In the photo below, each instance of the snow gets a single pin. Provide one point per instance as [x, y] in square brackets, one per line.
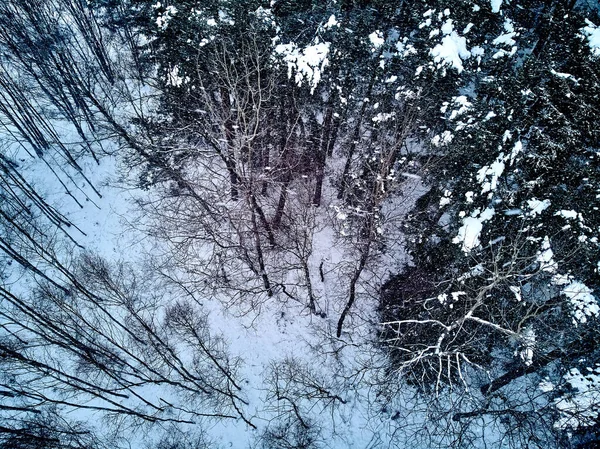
[226, 18]
[162, 21]
[173, 78]
[495, 4]
[446, 198]
[517, 149]
[545, 257]
[536, 206]
[566, 76]
[307, 63]
[477, 51]
[528, 343]
[464, 105]
[376, 39]
[568, 214]
[516, 291]
[332, 22]
[469, 232]
[477, 270]
[488, 175]
[457, 295]
[592, 33]
[506, 39]
[383, 117]
[546, 386]
[443, 139]
[442, 298]
[452, 50]
[582, 408]
[447, 27]
[583, 302]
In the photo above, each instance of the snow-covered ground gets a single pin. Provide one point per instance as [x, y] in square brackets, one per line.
[280, 332]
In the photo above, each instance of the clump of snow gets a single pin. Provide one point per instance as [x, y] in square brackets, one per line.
[265, 15]
[537, 207]
[443, 139]
[568, 214]
[507, 40]
[528, 345]
[488, 175]
[173, 78]
[452, 50]
[384, 117]
[463, 106]
[162, 21]
[405, 48]
[517, 149]
[580, 409]
[477, 270]
[442, 298]
[566, 76]
[583, 302]
[469, 232]
[444, 200]
[496, 4]
[546, 257]
[332, 22]
[592, 33]
[376, 39]
[457, 295]
[308, 63]
[226, 18]
[546, 386]
[516, 291]
[447, 27]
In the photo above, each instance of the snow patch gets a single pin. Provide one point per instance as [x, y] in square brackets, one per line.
[528, 345]
[308, 63]
[583, 302]
[444, 200]
[536, 206]
[453, 49]
[332, 22]
[545, 257]
[580, 409]
[495, 4]
[443, 139]
[592, 33]
[376, 39]
[469, 232]
[488, 175]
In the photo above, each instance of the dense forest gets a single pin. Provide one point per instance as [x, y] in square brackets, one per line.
[299, 224]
